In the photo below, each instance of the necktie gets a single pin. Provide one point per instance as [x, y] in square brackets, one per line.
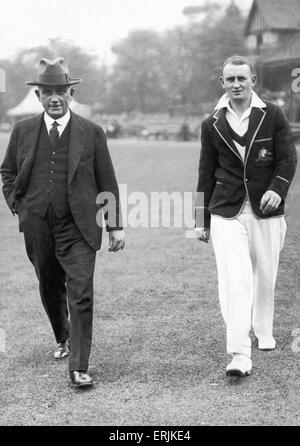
[54, 135]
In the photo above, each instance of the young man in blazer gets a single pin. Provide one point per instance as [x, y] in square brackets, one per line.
[247, 163]
[55, 166]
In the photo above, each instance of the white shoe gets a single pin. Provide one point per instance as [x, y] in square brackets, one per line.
[241, 365]
[266, 345]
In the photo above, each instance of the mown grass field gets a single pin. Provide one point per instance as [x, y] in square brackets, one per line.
[158, 353]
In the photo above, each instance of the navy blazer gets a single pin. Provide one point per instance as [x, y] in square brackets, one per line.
[90, 171]
[225, 179]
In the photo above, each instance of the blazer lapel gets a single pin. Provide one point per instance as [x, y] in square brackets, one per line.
[222, 128]
[76, 144]
[256, 118]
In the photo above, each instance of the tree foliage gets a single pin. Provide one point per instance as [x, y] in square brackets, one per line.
[177, 70]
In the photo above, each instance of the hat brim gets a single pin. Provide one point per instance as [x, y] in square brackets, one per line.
[41, 84]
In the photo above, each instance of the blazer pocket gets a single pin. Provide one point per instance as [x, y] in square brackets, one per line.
[264, 155]
[263, 140]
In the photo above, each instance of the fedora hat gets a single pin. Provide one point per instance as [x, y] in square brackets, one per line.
[53, 72]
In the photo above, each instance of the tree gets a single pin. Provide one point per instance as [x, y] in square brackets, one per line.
[137, 81]
[210, 43]
[176, 70]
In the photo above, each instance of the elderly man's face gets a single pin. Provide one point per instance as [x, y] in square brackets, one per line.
[238, 82]
[55, 100]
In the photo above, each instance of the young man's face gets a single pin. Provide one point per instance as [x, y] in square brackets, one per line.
[238, 82]
[55, 100]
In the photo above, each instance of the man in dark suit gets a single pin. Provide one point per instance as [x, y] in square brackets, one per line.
[247, 163]
[55, 166]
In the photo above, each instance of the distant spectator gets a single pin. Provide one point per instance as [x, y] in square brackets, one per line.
[185, 132]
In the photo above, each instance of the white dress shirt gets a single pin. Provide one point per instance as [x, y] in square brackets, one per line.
[239, 124]
[62, 122]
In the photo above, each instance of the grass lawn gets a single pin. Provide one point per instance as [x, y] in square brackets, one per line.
[158, 354]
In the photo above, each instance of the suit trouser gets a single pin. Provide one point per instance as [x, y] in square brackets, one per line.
[64, 264]
[247, 254]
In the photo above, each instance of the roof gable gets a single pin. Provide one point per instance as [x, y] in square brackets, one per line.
[273, 15]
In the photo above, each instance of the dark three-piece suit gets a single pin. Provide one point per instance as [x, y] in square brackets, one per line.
[54, 189]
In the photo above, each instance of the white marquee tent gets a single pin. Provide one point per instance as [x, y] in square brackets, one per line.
[30, 105]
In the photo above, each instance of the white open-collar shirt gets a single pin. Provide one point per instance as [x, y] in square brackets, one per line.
[239, 124]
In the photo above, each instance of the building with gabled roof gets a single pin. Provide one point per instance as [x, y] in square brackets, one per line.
[272, 22]
[273, 15]
[273, 28]
[273, 38]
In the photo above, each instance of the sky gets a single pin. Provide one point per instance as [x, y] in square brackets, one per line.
[93, 24]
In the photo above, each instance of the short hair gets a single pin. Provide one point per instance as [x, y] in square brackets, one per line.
[239, 60]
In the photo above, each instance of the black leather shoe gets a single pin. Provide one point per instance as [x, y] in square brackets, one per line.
[81, 379]
[62, 350]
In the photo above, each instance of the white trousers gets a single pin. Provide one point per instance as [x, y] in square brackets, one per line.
[247, 254]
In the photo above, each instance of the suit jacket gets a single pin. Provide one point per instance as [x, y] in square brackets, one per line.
[90, 171]
[225, 179]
